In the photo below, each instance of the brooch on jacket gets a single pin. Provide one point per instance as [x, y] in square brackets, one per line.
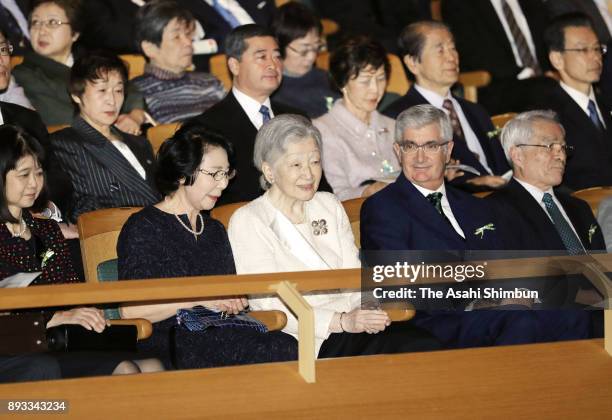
[319, 227]
[494, 133]
[481, 230]
[46, 256]
[592, 231]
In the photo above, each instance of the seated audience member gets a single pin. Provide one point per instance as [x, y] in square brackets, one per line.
[292, 227]
[55, 26]
[357, 139]
[576, 53]
[428, 50]
[171, 92]
[505, 38]
[304, 86]
[107, 167]
[419, 212]
[29, 244]
[254, 60]
[60, 188]
[175, 238]
[604, 217]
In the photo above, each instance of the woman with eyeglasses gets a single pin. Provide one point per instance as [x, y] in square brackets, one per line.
[304, 86]
[357, 139]
[107, 167]
[55, 26]
[177, 238]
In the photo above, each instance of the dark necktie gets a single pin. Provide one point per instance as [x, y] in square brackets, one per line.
[569, 238]
[593, 114]
[225, 14]
[265, 112]
[436, 200]
[457, 130]
[519, 39]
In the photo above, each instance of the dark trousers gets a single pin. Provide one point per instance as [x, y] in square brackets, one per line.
[399, 337]
[29, 367]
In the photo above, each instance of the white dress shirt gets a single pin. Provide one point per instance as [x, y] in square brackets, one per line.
[583, 100]
[446, 208]
[235, 9]
[521, 21]
[538, 195]
[130, 157]
[470, 137]
[252, 107]
[14, 94]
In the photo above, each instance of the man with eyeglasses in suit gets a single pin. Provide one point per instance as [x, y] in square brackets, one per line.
[577, 54]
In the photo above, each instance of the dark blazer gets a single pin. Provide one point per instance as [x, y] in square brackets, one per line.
[228, 118]
[532, 218]
[58, 182]
[399, 218]
[101, 176]
[481, 124]
[481, 39]
[591, 162]
[261, 11]
[109, 24]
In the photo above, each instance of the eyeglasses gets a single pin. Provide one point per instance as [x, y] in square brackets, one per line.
[6, 49]
[49, 24]
[220, 175]
[552, 147]
[431, 147]
[600, 49]
[303, 53]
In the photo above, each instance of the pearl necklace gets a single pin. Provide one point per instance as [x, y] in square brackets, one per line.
[193, 232]
[23, 227]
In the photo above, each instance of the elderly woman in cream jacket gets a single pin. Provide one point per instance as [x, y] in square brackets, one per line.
[292, 227]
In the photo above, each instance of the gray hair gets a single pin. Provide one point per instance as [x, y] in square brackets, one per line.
[419, 116]
[274, 137]
[520, 128]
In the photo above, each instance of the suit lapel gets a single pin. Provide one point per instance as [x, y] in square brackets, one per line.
[424, 213]
[110, 158]
[490, 19]
[576, 217]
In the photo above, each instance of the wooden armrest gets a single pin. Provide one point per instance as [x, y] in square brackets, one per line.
[143, 326]
[398, 315]
[274, 320]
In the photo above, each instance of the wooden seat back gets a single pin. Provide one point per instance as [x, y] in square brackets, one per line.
[135, 64]
[160, 133]
[353, 210]
[594, 196]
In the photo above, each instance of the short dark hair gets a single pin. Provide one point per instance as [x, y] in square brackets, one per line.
[16, 143]
[72, 8]
[293, 21]
[412, 39]
[153, 17]
[92, 67]
[180, 156]
[355, 54]
[554, 35]
[235, 42]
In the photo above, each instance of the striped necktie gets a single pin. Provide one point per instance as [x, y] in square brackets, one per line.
[265, 112]
[519, 39]
[457, 130]
[593, 114]
[225, 14]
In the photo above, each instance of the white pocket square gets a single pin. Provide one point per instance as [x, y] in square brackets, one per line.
[261, 5]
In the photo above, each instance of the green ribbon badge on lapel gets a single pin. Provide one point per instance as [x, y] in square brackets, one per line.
[46, 256]
[494, 133]
[481, 230]
[592, 231]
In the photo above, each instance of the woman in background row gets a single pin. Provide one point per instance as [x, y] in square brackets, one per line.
[177, 238]
[107, 167]
[357, 139]
[292, 227]
[55, 25]
[304, 86]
